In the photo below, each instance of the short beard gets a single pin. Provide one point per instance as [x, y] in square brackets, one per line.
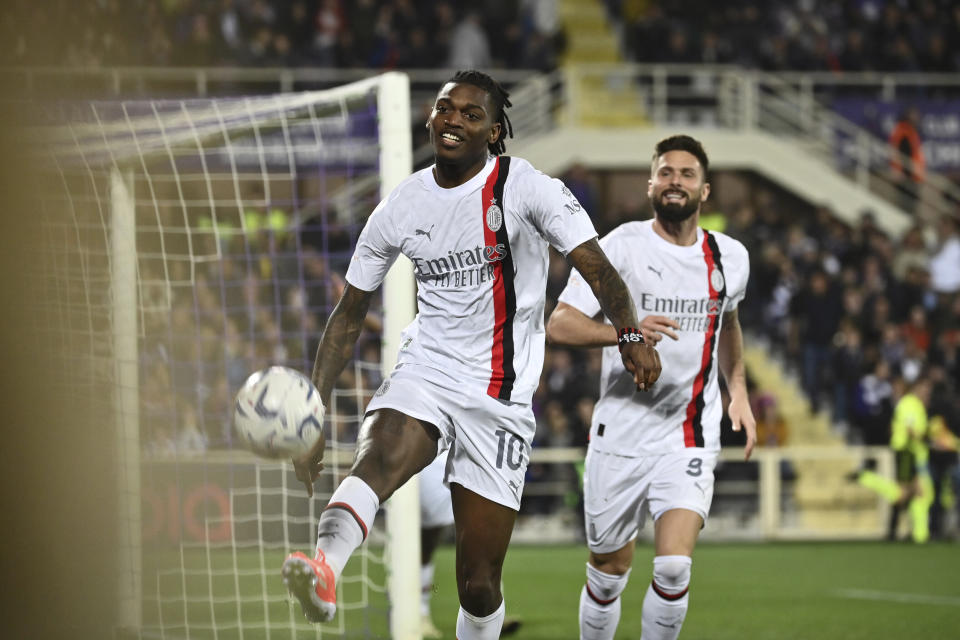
[671, 212]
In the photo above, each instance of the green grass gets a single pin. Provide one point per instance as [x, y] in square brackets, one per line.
[212, 595]
[787, 591]
[746, 591]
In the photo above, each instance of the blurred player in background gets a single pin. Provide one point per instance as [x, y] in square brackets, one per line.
[655, 452]
[477, 227]
[913, 486]
[436, 514]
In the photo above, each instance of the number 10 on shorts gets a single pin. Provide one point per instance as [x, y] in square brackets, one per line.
[511, 449]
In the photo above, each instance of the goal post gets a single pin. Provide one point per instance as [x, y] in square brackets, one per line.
[123, 282]
[204, 239]
[403, 508]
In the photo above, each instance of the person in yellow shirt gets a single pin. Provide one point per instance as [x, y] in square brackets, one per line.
[913, 486]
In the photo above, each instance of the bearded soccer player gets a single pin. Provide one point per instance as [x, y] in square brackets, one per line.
[477, 226]
[654, 453]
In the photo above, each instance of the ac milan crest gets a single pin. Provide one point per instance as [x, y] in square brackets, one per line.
[494, 217]
[716, 280]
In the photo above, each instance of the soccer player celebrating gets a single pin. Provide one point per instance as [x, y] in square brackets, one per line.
[655, 452]
[476, 226]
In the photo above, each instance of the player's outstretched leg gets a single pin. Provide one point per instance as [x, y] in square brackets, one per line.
[665, 605]
[391, 448]
[600, 604]
[343, 527]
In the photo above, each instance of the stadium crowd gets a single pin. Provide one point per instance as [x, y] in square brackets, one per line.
[807, 35]
[319, 33]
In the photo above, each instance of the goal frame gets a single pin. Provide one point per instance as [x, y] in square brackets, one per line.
[399, 291]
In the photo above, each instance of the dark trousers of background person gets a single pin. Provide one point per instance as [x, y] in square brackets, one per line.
[943, 469]
[816, 360]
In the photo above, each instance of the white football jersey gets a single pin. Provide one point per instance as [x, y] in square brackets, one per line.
[693, 285]
[480, 256]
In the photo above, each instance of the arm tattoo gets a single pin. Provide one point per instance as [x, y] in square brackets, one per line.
[339, 338]
[609, 288]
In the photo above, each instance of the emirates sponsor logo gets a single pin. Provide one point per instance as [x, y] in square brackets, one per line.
[692, 314]
[465, 268]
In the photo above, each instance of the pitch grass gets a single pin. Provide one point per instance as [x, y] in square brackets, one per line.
[815, 591]
[808, 591]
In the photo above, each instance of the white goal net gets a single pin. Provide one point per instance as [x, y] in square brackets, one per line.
[205, 239]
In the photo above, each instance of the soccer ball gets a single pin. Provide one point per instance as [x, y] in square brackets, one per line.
[278, 413]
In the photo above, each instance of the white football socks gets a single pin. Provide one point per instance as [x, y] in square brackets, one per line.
[345, 522]
[600, 604]
[470, 627]
[665, 604]
[426, 588]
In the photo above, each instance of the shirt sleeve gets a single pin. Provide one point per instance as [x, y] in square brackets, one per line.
[555, 211]
[377, 249]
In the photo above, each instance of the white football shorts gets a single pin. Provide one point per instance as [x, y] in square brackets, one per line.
[619, 491]
[488, 439]
[436, 507]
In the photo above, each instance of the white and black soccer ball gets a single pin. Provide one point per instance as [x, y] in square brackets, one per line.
[278, 413]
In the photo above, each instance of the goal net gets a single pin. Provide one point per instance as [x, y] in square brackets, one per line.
[194, 242]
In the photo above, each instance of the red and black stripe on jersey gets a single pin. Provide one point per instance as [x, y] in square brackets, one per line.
[692, 425]
[503, 374]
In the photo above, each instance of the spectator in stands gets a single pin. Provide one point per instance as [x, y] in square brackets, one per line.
[469, 45]
[945, 260]
[911, 252]
[873, 405]
[329, 23]
[907, 161]
[815, 314]
[771, 427]
[847, 366]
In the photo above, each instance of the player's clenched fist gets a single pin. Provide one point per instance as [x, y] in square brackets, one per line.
[639, 358]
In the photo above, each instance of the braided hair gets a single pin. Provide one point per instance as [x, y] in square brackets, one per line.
[500, 98]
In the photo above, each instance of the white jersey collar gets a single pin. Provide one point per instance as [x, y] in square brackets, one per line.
[477, 181]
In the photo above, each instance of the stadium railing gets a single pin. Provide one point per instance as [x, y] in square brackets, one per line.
[787, 105]
[765, 498]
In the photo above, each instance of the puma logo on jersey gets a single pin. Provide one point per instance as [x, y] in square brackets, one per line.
[421, 232]
[656, 271]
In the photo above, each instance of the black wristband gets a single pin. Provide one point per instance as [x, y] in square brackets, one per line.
[629, 334]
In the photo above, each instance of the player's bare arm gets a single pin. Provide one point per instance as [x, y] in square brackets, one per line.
[339, 338]
[730, 353]
[640, 359]
[568, 326]
[335, 350]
